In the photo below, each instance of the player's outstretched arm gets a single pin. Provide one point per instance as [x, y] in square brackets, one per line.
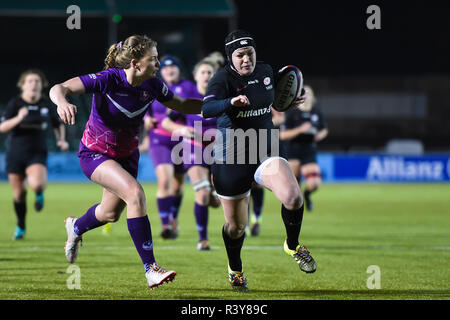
[184, 105]
[58, 93]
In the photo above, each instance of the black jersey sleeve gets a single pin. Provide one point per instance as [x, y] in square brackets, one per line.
[289, 120]
[10, 111]
[174, 115]
[322, 123]
[216, 100]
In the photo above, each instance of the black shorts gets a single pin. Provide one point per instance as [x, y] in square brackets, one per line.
[17, 162]
[233, 180]
[306, 153]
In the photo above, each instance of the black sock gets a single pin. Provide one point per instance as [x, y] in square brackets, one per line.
[233, 247]
[307, 193]
[293, 223]
[257, 195]
[21, 210]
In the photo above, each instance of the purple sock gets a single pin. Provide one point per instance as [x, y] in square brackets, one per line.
[175, 208]
[201, 219]
[141, 233]
[87, 222]
[164, 208]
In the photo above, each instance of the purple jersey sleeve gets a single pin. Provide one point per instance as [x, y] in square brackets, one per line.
[101, 81]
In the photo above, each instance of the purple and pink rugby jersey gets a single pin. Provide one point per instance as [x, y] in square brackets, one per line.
[118, 108]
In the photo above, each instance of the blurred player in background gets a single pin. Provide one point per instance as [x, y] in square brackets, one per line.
[194, 164]
[303, 128]
[108, 151]
[217, 59]
[27, 118]
[240, 96]
[170, 177]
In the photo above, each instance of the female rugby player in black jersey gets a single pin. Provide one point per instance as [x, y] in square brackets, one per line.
[27, 118]
[240, 96]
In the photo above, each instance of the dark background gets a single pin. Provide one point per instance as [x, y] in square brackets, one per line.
[328, 41]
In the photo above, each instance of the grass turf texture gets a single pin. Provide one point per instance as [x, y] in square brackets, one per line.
[403, 229]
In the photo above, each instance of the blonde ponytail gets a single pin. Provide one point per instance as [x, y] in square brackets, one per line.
[134, 47]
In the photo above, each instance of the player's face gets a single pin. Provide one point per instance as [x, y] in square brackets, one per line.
[170, 74]
[244, 60]
[203, 74]
[148, 65]
[32, 84]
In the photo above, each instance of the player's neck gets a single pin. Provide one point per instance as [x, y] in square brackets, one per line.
[133, 79]
[30, 97]
[201, 90]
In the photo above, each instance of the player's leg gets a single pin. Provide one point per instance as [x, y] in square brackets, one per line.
[199, 177]
[233, 183]
[233, 233]
[164, 196]
[276, 175]
[121, 183]
[17, 182]
[296, 168]
[257, 195]
[37, 180]
[313, 179]
[177, 184]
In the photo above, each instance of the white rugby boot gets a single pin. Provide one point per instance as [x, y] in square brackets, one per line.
[73, 240]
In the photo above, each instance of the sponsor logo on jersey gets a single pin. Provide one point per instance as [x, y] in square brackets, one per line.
[165, 90]
[253, 113]
[145, 95]
[44, 111]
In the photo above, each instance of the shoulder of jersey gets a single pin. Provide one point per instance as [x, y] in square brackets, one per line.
[264, 67]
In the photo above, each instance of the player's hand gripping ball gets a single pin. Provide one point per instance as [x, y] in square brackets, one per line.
[288, 87]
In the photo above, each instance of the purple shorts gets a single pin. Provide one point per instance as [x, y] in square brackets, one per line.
[90, 160]
[160, 151]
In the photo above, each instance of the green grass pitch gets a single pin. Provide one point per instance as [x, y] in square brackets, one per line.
[404, 229]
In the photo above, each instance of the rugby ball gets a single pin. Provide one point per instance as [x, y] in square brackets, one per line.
[288, 86]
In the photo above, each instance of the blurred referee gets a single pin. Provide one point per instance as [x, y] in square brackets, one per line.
[26, 118]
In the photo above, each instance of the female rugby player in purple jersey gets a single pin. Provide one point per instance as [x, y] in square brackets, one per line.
[245, 85]
[27, 118]
[170, 176]
[108, 149]
[195, 165]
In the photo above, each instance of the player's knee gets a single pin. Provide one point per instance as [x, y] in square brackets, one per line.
[202, 197]
[236, 230]
[20, 195]
[292, 198]
[164, 185]
[136, 196]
